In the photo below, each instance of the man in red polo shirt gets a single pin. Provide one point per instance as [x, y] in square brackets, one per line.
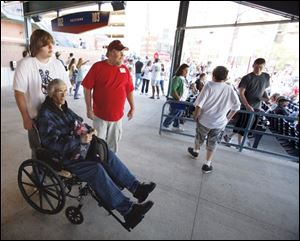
[107, 85]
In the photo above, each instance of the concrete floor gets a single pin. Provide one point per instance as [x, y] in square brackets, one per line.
[249, 195]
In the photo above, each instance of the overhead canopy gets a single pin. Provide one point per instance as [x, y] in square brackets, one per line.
[288, 9]
[31, 8]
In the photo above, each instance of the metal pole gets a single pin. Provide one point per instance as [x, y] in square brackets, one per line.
[179, 38]
[28, 31]
[240, 24]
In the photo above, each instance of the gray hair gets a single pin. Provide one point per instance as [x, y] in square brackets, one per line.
[52, 86]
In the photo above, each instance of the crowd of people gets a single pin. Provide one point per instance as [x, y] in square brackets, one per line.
[76, 72]
[148, 72]
[41, 96]
[252, 90]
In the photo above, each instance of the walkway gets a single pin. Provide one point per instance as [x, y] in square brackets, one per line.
[249, 195]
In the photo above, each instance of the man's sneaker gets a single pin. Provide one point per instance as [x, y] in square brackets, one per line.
[143, 190]
[167, 128]
[206, 168]
[178, 129]
[137, 214]
[248, 143]
[191, 151]
[227, 138]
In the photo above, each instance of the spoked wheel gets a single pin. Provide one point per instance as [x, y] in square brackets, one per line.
[74, 215]
[41, 187]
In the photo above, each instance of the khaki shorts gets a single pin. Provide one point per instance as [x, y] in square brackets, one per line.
[213, 136]
[110, 131]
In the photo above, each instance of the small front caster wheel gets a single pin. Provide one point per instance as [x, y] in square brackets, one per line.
[74, 215]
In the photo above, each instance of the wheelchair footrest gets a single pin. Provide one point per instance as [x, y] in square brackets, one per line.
[133, 223]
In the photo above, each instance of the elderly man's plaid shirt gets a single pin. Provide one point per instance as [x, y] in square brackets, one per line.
[56, 129]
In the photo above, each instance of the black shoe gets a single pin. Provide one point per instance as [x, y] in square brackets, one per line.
[191, 151]
[137, 214]
[206, 168]
[143, 190]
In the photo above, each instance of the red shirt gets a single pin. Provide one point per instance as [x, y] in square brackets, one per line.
[111, 85]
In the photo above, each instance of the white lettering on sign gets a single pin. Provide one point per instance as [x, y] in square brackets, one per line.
[96, 17]
[76, 20]
[60, 22]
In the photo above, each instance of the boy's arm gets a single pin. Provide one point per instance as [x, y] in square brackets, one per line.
[88, 102]
[196, 113]
[21, 103]
[231, 114]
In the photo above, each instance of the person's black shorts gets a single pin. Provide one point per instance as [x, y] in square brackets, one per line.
[242, 121]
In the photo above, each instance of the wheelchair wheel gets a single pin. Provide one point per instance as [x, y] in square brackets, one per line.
[74, 215]
[41, 187]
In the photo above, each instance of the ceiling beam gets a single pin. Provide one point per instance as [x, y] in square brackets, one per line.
[288, 9]
[31, 8]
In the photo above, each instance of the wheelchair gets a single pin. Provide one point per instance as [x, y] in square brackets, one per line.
[45, 185]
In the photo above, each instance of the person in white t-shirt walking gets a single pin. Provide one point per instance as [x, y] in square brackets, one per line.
[32, 77]
[211, 114]
[155, 78]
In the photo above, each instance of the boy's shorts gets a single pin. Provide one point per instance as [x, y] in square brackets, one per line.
[213, 136]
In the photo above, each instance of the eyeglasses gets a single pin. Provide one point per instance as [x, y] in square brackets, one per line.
[61, 92]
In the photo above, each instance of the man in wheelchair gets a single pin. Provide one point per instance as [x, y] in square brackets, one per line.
[62, 131]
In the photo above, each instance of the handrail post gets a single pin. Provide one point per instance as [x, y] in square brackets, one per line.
[162, 116]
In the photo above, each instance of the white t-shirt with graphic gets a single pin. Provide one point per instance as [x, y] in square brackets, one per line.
[156, 68]
[215, 100]
[32, 78]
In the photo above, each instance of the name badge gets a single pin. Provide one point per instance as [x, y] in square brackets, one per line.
[122, 70]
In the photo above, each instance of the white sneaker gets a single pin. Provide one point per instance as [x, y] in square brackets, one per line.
[167, 128]
[248, 143]
[179, 129]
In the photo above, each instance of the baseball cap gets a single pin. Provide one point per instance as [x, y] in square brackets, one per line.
[117, 45]
[282, 98]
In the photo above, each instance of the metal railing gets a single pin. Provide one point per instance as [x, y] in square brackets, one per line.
[183, 105]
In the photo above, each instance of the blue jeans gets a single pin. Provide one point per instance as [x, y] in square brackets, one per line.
[77, 86]
[175, 113]
[101, 182]
[162, 82]
[138, 79]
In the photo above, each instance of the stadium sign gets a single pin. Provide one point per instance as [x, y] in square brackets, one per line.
[80, 22]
